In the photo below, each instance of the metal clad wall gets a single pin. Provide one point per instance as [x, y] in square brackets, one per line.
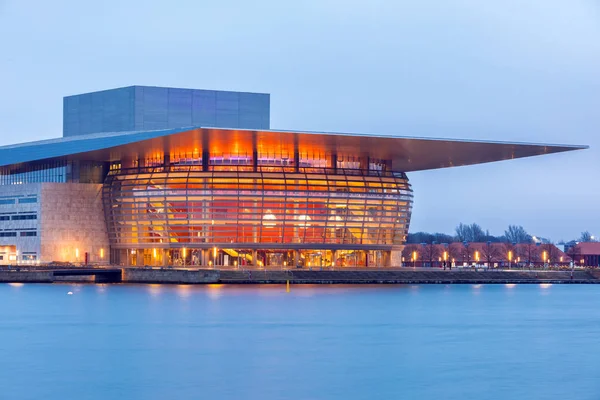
[151, 108]
[106, 111]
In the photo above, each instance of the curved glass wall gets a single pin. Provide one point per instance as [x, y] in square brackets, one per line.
[184, 207]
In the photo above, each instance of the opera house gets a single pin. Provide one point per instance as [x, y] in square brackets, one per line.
[149, 176]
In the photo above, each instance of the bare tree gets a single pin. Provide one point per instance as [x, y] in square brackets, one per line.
[511, 249]
[463, 232]
[455, 251]
[431, 252]
[552, 252]
[491, 253]
[466, 252]
[409, 251]
[575, 253]
[470, 233]
[586, 237]
[517, 234]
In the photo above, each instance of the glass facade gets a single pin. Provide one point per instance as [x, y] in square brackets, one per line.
[182, 212]
[55, 171]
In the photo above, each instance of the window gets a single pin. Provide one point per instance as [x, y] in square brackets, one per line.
[28, 200]
[7, 201]
[8, 234]
[4, 217]
[29, 257]
[28, 234]
[23, 216]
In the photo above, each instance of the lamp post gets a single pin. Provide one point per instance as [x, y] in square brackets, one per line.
[414, 257]
[544, 257]
[445, 258]
[509, 258]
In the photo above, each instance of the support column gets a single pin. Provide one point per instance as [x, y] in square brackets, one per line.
[296, 258]
[254, 260]
[205, 159]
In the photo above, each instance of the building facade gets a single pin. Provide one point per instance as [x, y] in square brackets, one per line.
[148, 176]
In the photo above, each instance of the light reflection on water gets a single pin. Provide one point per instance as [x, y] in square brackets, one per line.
[318, 341]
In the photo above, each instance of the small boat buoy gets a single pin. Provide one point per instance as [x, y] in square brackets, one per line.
[70, 293]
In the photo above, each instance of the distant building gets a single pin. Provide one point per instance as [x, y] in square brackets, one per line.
[185, 177]
[586, 253]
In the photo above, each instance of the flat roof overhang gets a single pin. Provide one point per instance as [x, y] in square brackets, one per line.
[405, 153]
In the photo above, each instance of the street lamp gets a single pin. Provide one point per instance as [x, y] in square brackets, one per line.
[414, 257]
[509, 258]
[544, 257]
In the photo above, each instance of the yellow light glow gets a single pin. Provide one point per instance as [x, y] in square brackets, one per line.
[184, 252]
[215, 252]
[477, 256]
[154, 251]
[544, 255]
[445, 255]
[509, 255]
[101, 253]
[76, 253]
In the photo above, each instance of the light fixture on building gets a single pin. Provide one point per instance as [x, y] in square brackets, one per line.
[303, 220]
[269, 219]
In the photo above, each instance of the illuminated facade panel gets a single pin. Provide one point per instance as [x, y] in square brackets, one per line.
[262, 209]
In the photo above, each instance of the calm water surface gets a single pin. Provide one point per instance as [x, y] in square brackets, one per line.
[317, 342]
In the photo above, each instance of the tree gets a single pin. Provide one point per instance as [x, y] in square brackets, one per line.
[574, 252]
[466, 253]
[586, 237]
[491, 253]
[512, 249]
[517, 234]
[431, 252]
[455, 251]
[407, 254]
[470, 233]
[552, 252]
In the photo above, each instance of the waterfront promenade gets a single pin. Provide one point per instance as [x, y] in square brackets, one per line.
[358, 276]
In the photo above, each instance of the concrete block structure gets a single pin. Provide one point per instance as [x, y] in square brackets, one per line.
[147, 176]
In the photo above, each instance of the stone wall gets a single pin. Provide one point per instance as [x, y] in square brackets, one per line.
[26, 276]
[72, 223]
[139, 275]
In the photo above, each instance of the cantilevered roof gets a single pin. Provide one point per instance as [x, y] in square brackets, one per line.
[406, 153]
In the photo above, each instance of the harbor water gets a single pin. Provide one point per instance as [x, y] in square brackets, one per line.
[315, 342]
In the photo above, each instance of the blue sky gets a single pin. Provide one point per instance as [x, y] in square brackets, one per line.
[526, 70]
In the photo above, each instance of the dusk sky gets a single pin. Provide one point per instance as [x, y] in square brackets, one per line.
[522, 70]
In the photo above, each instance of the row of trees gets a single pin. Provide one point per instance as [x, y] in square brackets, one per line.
[484, 253]
[475, 233]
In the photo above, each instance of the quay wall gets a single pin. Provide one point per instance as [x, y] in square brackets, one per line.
[140, 275]
[26, 276]
[208, 276]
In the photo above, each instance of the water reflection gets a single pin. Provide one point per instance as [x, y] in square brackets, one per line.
[155, 289]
